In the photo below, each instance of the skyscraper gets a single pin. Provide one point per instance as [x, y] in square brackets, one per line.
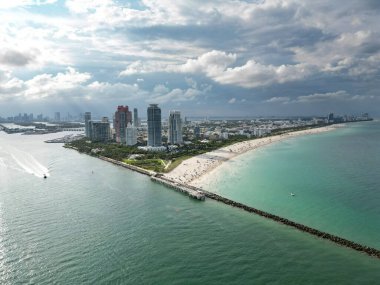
[87, 119]
[100, 131]
[197, 132]
[154, 125]
[135, 118]
[57, 116]
[175, 128]
[330, 118]
[122, 117]
[131, 135]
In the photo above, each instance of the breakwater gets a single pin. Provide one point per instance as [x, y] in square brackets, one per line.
[192, 193]
[338, 240]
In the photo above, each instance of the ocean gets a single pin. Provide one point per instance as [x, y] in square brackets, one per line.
[91, 222]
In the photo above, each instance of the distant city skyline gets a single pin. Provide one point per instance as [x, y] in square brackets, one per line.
[241, 58]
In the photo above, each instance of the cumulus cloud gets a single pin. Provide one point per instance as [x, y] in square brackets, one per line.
[215, 65]
[211, 63]
[16, 3]
[162, 94]
[46, 85]
[232, 101]
[140, 67]
[252, 74]
[17, 58]
[278, 100]
[42, 85]
[74, 85]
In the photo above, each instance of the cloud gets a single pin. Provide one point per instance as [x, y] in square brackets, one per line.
[17, 58]
[43, 85]
[46, 85]
[215, 65]
[16, 3]
[253, 74]
[278, 100]
[74, 85]
[211, 63]
[232, 101]
[321, 97]
[162, 94]
[140, 67]
[191, 82]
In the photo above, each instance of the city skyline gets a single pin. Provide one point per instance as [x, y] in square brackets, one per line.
[274, 57]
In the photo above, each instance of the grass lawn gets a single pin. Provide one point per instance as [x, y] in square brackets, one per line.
[176, 162]
[157, 165]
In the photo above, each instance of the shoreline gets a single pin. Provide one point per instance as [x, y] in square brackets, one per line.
[198, 169]
[200, 194]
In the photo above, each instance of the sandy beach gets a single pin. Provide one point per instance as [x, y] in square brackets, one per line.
[196, 170]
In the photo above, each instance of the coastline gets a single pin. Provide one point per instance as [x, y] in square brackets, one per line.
[190, 189]
[198, 169]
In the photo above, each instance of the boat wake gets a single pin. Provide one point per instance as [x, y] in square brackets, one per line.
[2, 163]
[29, 164]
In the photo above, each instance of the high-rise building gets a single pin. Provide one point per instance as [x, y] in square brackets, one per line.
[197, 132]
[330, 118]
[135, 118]
[87, 119]
[57, 116]
[100, 131]
[122, 117]
[131, 135]
[175, 128]
[154, 125]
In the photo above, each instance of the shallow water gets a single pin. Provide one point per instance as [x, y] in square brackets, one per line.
[333, 175]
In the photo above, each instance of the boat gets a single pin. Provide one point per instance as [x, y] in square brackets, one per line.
[45, 176]
[292, 194]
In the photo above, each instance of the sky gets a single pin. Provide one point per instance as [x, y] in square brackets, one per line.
[204, 58]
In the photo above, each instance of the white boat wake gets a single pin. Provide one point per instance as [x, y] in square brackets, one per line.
[2, 163]
[29, 164]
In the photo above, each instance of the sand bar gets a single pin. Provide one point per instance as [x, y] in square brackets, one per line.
[195, 170]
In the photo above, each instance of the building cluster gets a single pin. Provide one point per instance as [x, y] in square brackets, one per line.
[207, 130]
[128, 129]
[158, 134]
[57, 117]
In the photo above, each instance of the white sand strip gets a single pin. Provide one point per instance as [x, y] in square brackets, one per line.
[191, 170]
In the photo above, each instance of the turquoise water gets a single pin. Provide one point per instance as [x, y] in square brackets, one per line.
[91, 222]
[334, 176]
